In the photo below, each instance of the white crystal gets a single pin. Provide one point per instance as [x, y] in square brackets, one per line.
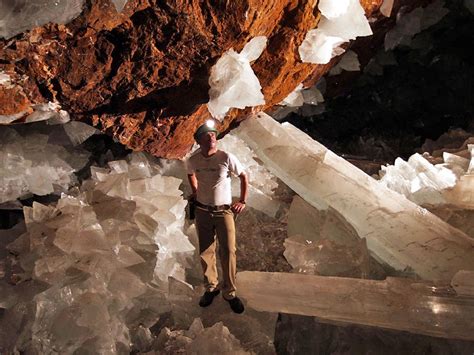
[232, 81]
[398, 232]
[318, 47]
[349, 25]
[332, 9]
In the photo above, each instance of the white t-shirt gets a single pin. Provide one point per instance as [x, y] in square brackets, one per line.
[213, 175]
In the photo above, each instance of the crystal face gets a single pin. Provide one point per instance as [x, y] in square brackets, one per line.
[17, 16]
[232, 81]
[398, 232]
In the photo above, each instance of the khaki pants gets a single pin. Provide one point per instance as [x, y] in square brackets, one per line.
[209, 224]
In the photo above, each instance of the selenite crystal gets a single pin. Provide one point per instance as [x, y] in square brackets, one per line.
[398, 232]
[17, 16]
[119, 4]
[395, 303]
[78, 132]
[341, 22]
[232, 81]
[104, 254]
[33, 165]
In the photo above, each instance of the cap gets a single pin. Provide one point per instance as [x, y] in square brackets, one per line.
[208, 126]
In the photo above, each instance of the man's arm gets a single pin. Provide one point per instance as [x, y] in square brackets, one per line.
[194, 184]
[244, 184]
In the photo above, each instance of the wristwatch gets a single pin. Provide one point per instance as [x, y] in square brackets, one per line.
[242, 202]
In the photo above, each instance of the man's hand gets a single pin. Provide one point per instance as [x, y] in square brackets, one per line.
[237, 207]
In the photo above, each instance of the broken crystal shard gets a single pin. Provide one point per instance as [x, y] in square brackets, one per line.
[398, 232]
[232, 81]
[17, 16]
[423, 308]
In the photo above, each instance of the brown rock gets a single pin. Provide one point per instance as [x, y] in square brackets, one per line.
[142, 75]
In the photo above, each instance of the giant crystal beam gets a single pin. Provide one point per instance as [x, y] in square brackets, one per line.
[395, 303]
[398, 232]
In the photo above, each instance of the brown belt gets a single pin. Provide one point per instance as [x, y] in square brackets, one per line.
[212, 208]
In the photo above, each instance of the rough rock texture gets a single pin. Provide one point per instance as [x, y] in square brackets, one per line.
[142, 74]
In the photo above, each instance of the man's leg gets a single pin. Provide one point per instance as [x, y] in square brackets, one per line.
[207, 248]
[225, 229]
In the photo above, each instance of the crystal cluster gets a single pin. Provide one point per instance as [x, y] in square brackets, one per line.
[104, 253]
[398, 232]
[341, 22]
[17, 16]
[199, 340]
[33, 165]
[232, 81]
[427, 184]
[409, 24]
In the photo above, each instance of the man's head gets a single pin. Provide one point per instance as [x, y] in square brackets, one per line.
[208, 126]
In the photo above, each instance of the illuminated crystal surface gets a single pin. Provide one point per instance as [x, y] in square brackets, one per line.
[341, 22]
[395, 303]
[398, 232]
[232, 81]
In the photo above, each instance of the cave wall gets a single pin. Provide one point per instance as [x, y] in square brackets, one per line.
[142, 75]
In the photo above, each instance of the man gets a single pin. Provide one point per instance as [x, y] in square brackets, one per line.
[209, 174]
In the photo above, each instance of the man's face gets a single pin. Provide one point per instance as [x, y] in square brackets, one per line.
[208, 140]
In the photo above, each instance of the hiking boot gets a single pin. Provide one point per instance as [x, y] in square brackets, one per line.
[208, 297]
[236, 305]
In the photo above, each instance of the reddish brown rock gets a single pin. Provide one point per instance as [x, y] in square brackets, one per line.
[142, 75]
